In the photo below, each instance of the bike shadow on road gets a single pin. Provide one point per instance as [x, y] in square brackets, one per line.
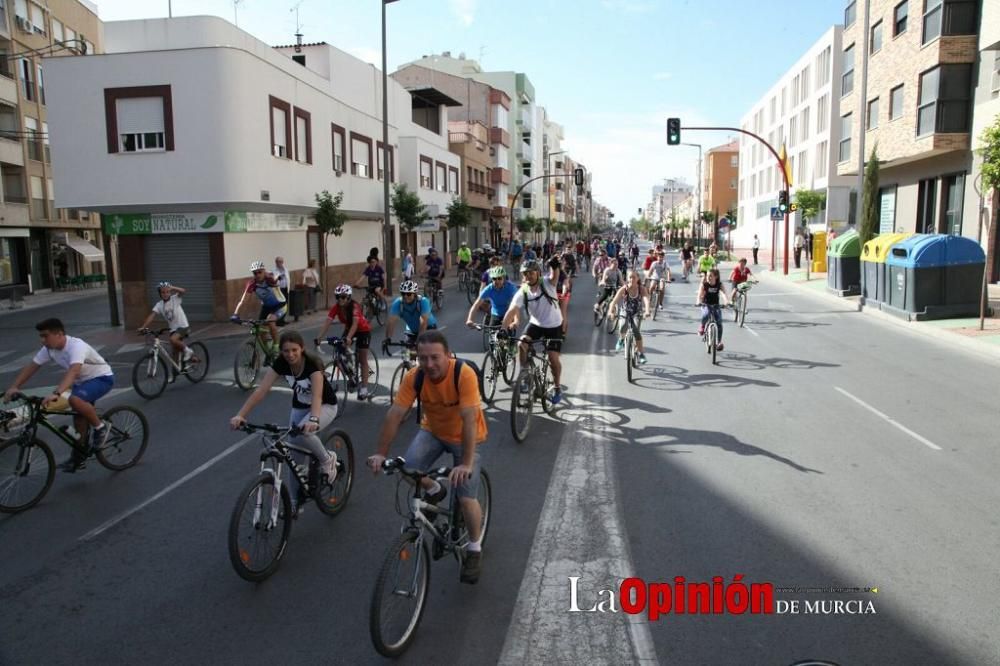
[676, 378]
[765, 325]
[745, 361]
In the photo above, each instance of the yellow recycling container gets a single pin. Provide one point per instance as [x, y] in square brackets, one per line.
[873, 271]
[819, 252]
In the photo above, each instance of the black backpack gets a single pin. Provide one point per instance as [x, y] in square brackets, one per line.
[418, 381]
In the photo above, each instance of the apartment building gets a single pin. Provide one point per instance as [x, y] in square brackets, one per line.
[667, 199]
[41, 246]
[917, 107]
[213, 146]
[720, 189]
[801, 111]
[471, 142]
[985, 113]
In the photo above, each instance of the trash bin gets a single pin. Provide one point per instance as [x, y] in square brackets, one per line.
[843, 275]
[873, 254]
[819, 252]
[296, 302]
[934, 276]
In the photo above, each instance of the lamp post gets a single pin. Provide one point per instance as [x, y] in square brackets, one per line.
[386, 224]
[697, 214]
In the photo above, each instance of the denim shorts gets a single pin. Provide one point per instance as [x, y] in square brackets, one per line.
[426, 448]
[94, 389]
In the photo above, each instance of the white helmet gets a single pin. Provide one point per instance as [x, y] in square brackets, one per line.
[343, 290]
[257, 266]
[409, 287]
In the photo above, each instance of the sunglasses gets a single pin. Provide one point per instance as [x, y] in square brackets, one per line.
[342, 297]
[257, 272]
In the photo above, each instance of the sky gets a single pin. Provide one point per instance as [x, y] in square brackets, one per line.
[609, 71]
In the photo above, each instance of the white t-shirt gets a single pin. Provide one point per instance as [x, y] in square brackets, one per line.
[75, 351]
[281, 275]
[756, 243]
[172, 311]
[542, 312]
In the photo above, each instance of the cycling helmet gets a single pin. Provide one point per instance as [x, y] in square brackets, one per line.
[464, 244]
[498, 272]
[343, 290]
[531, 265]
[409, 287]
[432, 250]
[257, 266]
[164, 285]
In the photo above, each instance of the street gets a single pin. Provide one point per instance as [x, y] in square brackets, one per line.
[826, 450]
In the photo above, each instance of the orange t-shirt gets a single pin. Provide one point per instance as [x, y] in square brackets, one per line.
[440, 404]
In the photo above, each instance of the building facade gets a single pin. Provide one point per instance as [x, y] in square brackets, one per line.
[471, 142]
[720, 188]
[986, 113]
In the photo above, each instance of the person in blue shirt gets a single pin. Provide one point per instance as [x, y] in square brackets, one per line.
[435, 268]
[375, 275]
[499, 293]
[529, 253]
[414, 310]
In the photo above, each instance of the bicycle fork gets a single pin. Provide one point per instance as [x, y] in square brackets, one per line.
[272, 510]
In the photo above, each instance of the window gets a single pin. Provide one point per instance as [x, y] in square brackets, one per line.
[734, 160]
[823, 68]
[441, 177]
[41, 86]
[899, 18]
[426, 173]
[804, 82]
[37, 18]
[793, 130]
[821, 159]
[37, 198]
[925, 206]
[845, 137]
[45, 142]
[361, 156]
[21, 9]
[303, 136]
[872, 114]
[774, 109]
[850, 14]
[140, 124]
[804, 124]
[953, 194]
[339, 136]
[933, 9]
[453, 180]
[732, 183]
[380, 167]
[803, 166]
[796, 88]
[995, 80]
[70, 40]
[896, 102]
[27, 84]
[945, 93]
[31, 134]
[847, 79]
[876, 38]
[281, 127]
[526, 169]
[57, 30]
[526, 200]
[822, 113]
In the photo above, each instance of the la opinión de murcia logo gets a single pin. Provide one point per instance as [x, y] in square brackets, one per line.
[720, 597]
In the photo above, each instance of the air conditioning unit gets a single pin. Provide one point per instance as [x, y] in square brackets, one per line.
[23, 23]
[493, 151]
[85, 234]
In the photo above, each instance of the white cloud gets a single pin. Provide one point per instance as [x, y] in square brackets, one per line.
[662, 76]
[464, 11]
[368, 54]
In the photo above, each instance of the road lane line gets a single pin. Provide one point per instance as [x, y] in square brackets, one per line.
[581, 532]
[890, 420]
[173, 486]
[752, 332]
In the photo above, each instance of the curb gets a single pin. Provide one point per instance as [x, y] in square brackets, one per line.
[916, 328]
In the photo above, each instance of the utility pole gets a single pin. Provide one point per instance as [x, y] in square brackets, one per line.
[387, 234]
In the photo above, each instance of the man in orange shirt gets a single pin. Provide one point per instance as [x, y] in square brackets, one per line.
[443, 429]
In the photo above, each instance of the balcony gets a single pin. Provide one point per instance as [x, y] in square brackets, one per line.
[499, 175]
[499, 97]
[524, 149]
[500, 135]
[524, 118]
[10, 150]
[499, 211]
[8, 87]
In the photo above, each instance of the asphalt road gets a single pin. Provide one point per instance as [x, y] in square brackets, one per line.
[805, 459]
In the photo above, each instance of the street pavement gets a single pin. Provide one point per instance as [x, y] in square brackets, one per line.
[827, 453]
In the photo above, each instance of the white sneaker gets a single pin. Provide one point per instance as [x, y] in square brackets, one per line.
[188, 353]
[330, 467]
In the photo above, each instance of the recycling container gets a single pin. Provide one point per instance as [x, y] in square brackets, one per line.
[843, 274]
[873, 273]
[934, 276]
[296, 302]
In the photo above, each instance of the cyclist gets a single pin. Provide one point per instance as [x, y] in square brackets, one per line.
[569, 261]
[516, 251]
[530, 254]
[314, 403]
[658, 275]
[88, 378]
[622, 261]
[499, 293]
[464, 256]
[452, 422]
[563, 281]
[434, 270]
[482, 263]
[706, 262]
[633, 251]
[375, 275]
[582, 256]
[413, 309]
[273, 307]
[169, 307]
[687, 258]
[540, 301]
[484, 278]
[739, 278]
[633, 298]
[356, 328]
[650, 258]
[610, 280]
[600, 264]
[711, 298]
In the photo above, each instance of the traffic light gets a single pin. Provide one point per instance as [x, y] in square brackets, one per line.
[783, 201]
[673, 131]
[578, 177]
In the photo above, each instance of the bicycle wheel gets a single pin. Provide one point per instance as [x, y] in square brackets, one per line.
[197, 365]
[397, 379]
[246, 365]
[338, 380]
[654, 304]
[743, 310]
[380, 309]
[332, 497]
[372, 373]
[485, 497]
[736, 307]
[491, 375]
[548, 386]
[127, 440]
[257, 533]
[27, 469]
[509, 359]
[600, 313]
[486, 332]
[610, 324]
[400, 594]
[712, 346]
[149, 376]
[629, 353]
[438, 300]
[520, 407]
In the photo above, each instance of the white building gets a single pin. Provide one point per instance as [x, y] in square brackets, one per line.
[205, 149]
[801, 110]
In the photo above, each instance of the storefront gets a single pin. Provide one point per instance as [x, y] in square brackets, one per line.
[13, 256]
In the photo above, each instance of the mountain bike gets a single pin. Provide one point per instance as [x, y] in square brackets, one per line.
[151, 373]
[373, 306]
[500, 360]
[472, 289]
[535, 382]
[344, 371]
[602, 308]
[657, 290]
[631, 327]
[434, 293]
[429, 532]
[740, 297]
[711, 335]
[261, 520]
[27, 466]
[467, 282]
[253, 353]
[408, 363]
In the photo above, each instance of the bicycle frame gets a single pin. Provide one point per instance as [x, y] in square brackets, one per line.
[279, 450]
[343, 360]
[39, 417]
[158, 351]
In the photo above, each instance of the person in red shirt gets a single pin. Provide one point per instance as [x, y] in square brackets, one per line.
[741, 273]
[348, 312]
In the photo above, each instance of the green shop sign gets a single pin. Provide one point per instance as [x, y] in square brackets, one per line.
[239, 221]
[132, 224]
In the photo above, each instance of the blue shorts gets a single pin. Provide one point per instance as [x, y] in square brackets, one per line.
[94, 389]
[279, 310]
[426, 448]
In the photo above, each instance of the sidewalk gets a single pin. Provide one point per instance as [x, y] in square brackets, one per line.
[47, 299]
[962, 332]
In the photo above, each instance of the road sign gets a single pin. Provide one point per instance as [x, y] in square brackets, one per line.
[776, 214]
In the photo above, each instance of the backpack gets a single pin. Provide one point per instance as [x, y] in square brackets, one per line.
[418, 381]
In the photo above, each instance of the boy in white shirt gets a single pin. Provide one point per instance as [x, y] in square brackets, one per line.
[169, 307]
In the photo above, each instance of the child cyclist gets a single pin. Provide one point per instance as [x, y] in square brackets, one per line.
[169, 307]
[739, 277]
[272, 302]
[356, 328]
[711, 298]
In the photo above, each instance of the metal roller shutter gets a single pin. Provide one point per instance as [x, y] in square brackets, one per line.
[314, 242]
[184, 260]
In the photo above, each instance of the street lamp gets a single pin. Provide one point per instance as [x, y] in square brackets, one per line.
[698, 212]
[386, 224]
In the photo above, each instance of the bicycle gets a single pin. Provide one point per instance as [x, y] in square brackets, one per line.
[434, 293]
[252, 354]
[344, 371]
[472, 289]
[374, 307]
[265, 505]
[151, 373]
[631, 328]
[535, 382]
[468, 284]
[740, 297]
[430, 532]
[711, 335]
[500, 360]
[657, 289]
[27, 466]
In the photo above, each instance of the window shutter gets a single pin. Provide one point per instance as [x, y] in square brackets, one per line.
[278, 119]
[36, 188]
[137, 115]
[37, 17]
[301, 150]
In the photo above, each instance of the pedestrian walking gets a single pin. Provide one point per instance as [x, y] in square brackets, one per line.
[798, 250]
[310, 278]
[807, 238]
[407, 266]
[756, 248]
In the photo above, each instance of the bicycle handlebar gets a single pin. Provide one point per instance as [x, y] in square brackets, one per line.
[150, 331]
[391, 466]
[272, 428]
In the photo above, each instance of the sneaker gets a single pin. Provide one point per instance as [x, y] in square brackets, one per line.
[188, 353]
[471, 567]
[701, 330]
[436, 497]
[620, 345]
[720, 347]
[556, 397]
[330, 468]
[98, 437]
[76, 461]
[642, 359]
[363, 393]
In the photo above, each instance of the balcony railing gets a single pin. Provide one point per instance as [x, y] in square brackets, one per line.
[500, 135]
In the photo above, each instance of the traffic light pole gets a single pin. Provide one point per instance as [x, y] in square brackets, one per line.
[781, 168]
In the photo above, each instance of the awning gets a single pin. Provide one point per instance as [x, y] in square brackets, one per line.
[86, 250]
[14, 232]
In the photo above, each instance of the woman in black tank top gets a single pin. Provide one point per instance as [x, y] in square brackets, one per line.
[633, 298]
[711, 296]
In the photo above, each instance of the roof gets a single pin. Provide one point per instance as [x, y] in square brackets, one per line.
[292, 46]
[731, 147]
[432, 96]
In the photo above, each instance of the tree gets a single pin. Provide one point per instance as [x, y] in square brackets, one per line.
[541, 224]
[408, 208]
[990, 152]
[810, 203]
[526, 224]
[869, 200]
[330, 220]
[459, 214]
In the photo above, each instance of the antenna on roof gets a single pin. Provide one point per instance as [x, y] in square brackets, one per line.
[298, 26]
[482, 54]
[236, 17]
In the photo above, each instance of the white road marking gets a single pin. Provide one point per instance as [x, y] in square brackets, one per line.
[131, 347]
[173, 486]
[581, 503]
[751, 331]
[890, 420]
